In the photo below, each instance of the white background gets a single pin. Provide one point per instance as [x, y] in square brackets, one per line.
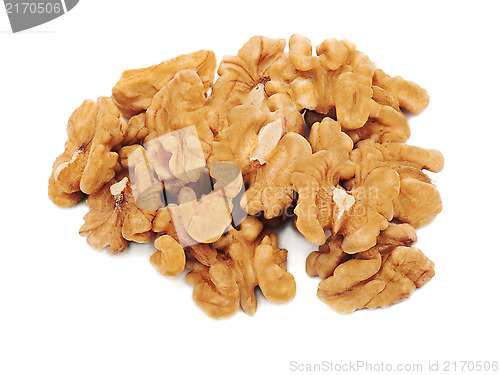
[68, 309]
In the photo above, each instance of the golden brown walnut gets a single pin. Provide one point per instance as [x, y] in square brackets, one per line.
[215, 289]
[340, 77]
[114, 218]
[325, 260]
[418, 201]
[88, 162]
[323, 203]
[170, 259]
[242, 78]
[408, 94]
[371, 211]
[370, 280]
[254, 259]
[270, 188]
[274, 281]
[386, 122]
[136, 88]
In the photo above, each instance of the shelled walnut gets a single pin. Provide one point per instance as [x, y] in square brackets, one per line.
[181, 161]
[247, 258]
[94, 130]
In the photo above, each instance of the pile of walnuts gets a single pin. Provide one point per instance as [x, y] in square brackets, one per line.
[175, 158]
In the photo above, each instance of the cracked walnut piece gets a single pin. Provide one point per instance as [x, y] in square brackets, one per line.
[88, 161]
[339, 76]
[170, 258]
[316, 181]
[136, 88]
[418, 201]
[247, 258]
[114, 219]
[371, 280]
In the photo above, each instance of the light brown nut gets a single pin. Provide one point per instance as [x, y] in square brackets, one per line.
[311, 81]
[328, 135]
[372, 210]
[88, 162]
[215, 290]
[170, 259]
[178, 105]
[419, 201]
[254, 259]
[323, 203]
[114, 218]
[301, 53]
[238, 249]
[325, 260]
[409, 95]
[242, 78]
[342, 291]
[367, 280]
[271, 189]
[406, 269]
[136, 88]
[276, 283]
